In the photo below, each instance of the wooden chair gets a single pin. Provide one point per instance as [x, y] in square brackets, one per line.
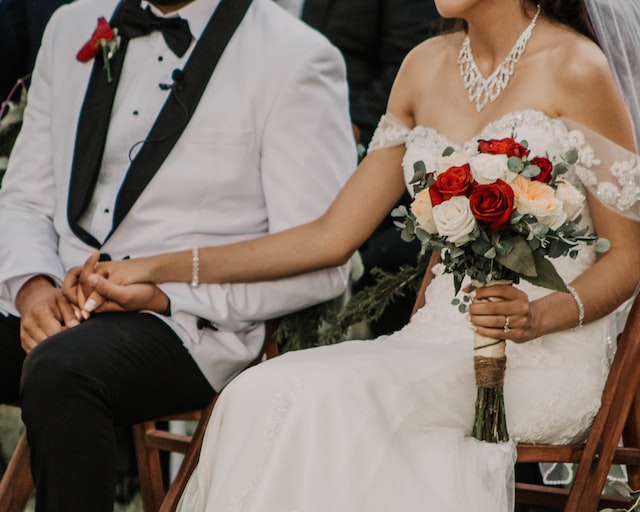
[149, 440]
[619, 416]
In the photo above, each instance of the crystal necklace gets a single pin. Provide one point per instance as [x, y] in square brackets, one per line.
[480, 90]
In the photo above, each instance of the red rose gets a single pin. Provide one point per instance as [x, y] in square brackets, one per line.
[506, 146]
[455, 181]
[546, 169]
[90, 49]
[492, 204]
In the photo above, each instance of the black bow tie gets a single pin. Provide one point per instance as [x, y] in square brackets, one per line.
[136, 22]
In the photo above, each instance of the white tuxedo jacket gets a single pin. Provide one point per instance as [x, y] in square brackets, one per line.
[268, 147]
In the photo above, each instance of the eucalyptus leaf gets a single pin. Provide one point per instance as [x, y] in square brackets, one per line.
[560, 168]
[407, 236]
[400, 211]
[456, 252]
[420, 171]
[540, 230]
[516, 217]
[491, 253]
[602, 245]
[422, 235]
[557, 248]
[504, 247]
[448, 151]
[531, 171]
[515, 164]
[571, 156]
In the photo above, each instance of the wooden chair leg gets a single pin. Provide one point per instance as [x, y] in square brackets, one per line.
[631, 437]
[149, 468]
[16, 484]
[189, 463]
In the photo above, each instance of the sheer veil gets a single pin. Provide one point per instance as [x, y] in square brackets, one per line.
[617, 25]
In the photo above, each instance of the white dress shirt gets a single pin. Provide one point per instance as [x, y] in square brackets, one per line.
[293, 6]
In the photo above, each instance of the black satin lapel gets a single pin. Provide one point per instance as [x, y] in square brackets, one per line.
[314, 13]
[174, 117]
[91, 134]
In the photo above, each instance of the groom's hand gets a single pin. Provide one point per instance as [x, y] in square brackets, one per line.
[44, 311]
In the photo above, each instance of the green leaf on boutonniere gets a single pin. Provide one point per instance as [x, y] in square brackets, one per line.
[519, 259]
[547, 275]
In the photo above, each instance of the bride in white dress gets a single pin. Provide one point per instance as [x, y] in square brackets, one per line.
[381, 425]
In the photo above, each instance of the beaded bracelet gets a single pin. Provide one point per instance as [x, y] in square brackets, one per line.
[580, 305]
[195, 268]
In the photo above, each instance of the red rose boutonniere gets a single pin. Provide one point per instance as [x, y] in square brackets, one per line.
[104, 39]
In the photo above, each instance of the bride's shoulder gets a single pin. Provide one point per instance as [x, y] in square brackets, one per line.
[434, 52]
[586, 89]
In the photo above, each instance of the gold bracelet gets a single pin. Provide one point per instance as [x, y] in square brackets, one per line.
[195, 268]
[580, 305]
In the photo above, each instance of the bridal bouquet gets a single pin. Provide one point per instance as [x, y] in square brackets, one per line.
[497, 215]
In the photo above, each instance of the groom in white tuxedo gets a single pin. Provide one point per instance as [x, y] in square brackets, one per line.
[150, 150]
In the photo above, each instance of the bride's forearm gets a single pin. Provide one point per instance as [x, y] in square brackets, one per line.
[291, 252]
[325, 242]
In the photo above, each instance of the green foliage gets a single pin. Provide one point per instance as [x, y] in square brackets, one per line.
[10, 123]
[329, 322]
[624, 490]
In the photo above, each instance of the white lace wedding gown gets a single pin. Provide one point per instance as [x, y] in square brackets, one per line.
[383, 425]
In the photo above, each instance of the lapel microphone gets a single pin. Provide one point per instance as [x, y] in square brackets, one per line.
[178, 77]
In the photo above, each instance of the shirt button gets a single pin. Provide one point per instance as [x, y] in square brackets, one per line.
[160, 58]
[135, 112]
[106, 210]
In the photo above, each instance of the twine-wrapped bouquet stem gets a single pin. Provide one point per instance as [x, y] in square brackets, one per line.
[490, 363]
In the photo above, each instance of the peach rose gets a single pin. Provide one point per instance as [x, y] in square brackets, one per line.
[423, 210]
[538, 199]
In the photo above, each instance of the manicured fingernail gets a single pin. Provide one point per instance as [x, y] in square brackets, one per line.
[85, 314]
[78, 314]
[472, 294]
[90, 305]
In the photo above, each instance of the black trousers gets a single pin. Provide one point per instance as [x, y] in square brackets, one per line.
[76, 387]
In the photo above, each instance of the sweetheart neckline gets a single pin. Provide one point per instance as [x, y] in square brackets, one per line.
[485, 128]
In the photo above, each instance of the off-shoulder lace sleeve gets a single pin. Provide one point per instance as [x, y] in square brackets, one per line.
[390, 132]
[610, 172]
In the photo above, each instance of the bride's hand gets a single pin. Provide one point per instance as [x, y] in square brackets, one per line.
[123, 285]
[502, 312]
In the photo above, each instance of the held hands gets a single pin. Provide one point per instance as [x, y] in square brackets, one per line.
[44, 312]
[104, 286]
[507, 315]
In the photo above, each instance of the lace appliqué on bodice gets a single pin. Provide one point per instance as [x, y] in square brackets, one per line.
[609, 171]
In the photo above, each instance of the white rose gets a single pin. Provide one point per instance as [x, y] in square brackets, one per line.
[421, 207]
[538, 199]
[454, 219]
[487, 168]
[455, 159]
[572, 199]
